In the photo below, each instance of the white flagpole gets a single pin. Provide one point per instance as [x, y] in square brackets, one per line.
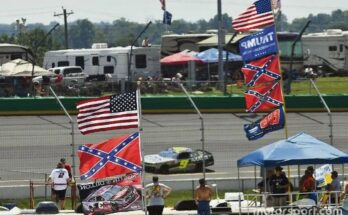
[141, 147]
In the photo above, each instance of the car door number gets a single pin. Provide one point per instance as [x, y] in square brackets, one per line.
[184, 163]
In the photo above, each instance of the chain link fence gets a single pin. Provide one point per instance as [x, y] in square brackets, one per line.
[31, 146]
[166, 86]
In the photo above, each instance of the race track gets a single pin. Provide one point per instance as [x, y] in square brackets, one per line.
[30, 146]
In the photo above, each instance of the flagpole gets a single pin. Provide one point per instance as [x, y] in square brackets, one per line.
[141, 147]
[165, 13]
[281, 91]
[281, 76]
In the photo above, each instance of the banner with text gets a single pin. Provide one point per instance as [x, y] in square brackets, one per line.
[323, 175]
[260, 44]
[122, 193]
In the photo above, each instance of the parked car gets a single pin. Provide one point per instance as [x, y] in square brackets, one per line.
[71, 74]
[178, 159]
[111, 198]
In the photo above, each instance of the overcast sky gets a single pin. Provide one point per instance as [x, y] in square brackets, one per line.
[144, 11]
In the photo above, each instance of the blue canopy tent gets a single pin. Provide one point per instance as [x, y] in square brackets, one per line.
[212, 56]
[299, 149]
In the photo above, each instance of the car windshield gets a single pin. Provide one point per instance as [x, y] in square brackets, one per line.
[111, 192]
[168, 154]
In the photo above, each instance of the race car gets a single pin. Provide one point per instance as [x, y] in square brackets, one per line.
[110, 198]
[178, 159]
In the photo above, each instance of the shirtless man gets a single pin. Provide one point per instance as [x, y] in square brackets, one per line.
[203, 195]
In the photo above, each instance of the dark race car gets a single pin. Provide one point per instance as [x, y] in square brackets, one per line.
[110, 198]
[178, 159]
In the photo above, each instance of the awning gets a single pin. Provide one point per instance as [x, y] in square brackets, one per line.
[213, 40]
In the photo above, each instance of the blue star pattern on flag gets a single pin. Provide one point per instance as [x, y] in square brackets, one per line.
[123, 102]
[112, 156]
[260, 71]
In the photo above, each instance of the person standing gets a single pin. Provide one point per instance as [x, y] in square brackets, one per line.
[59, 178]
[66, 166]
[145, 42]
[279, 184]
[156, 193]
[203, 195]
[335, 186]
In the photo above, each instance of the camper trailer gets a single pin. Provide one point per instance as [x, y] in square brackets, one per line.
[99, 61]
[326, 51]
[10, 52]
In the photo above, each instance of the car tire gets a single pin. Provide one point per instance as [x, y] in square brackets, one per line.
[199, 167]
[164, 169]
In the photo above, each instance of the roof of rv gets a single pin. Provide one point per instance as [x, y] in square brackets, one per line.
[328, 33]
[112, 49]
[5, 47]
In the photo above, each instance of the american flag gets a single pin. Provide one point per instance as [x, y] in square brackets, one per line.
[258, 15]
[108, 113]
[119, 155]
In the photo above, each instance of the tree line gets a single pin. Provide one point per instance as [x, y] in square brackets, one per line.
[121, 32]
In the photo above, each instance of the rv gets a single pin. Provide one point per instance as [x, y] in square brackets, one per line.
[326, 51]
[99, 61]
[10, 52]
[174, 43]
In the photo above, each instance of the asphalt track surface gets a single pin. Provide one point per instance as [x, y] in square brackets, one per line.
[30, 146]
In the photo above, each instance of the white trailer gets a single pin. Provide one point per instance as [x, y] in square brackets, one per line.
[10, 52]
[326, 51]
[114, 61]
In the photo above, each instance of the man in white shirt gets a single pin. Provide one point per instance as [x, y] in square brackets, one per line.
[156, 193]
[60, 179]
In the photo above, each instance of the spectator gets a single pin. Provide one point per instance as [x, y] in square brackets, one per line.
[145, 42]
[156, 193]
[308, 185]
[279, 184]
[203, 195]
[310, 171]
[261, 186]
[67, 167]
[335, 186]
[59, 178]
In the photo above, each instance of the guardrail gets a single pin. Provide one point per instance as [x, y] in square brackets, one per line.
[173, 104]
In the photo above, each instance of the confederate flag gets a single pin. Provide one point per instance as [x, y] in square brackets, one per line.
[119, 155]
[264, 97]
[262, 70]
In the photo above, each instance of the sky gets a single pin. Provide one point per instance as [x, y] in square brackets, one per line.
[143, 11]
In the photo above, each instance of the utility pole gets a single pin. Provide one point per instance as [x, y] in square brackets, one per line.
[65, 14]
[221, 38]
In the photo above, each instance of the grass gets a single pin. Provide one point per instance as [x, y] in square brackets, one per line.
[170, 201]
[326, 85]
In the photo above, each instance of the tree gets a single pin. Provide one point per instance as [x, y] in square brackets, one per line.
[226, 22]
[81, 34]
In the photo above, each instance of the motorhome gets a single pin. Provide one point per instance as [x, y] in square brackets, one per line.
[99, 61]
[326, 51]
[10, 52]
[174, 43]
